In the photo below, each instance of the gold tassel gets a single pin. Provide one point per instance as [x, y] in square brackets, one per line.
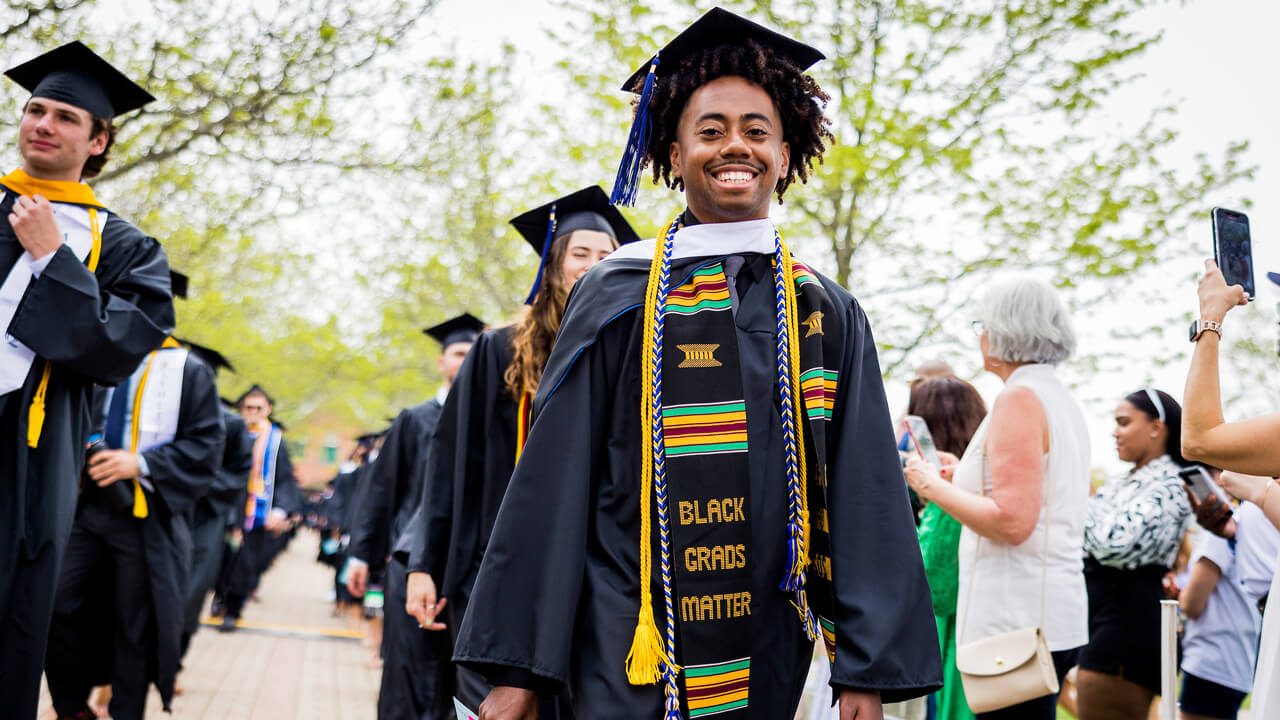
[644, 662]
[35, 417]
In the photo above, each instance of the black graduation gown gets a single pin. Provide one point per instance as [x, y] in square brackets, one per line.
[253, 557]
[414, 661]
[93, 327]
[181, 471]
[469, 462]
[212, 515]
[558, 594]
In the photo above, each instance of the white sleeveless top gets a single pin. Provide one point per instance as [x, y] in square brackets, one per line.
[1266, 683]
[1002, 590]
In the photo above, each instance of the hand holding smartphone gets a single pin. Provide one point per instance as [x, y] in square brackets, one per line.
[922, 439]
[1201, 485]
[1233, 249]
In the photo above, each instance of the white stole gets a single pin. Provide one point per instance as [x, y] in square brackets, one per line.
[157, 419]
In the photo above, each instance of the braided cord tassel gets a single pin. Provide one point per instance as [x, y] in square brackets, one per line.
[792, 435]
[647, 655]
[671, 670]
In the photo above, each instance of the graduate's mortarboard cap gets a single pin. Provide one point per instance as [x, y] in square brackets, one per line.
[1274, 277]
[717, 27]
[585, 209]
[255, 390]
[178, 283]
[461, 329]
[211, 357]
[78, 76]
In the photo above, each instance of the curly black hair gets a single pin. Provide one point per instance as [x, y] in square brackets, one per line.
[799, 99]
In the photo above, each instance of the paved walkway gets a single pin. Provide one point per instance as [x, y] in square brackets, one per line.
[292, 659]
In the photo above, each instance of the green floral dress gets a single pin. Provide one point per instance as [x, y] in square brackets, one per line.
[940, 544]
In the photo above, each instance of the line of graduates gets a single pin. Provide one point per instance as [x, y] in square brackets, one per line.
[120, 470]
[653, 493]
[555, 529]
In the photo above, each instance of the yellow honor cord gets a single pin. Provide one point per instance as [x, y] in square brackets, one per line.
[522, 422]
[793, 349]
[139, 498]
[644, 661]
[35, 415]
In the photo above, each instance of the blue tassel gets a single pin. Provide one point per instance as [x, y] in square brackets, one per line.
[794, 579]
[542, 262]
[627, 183]
[672, 707]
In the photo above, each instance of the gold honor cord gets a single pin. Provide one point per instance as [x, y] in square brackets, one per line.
[522, 422]
[35, 415]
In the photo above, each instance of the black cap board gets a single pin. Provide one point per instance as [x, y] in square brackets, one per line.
[1274, 277]
[574, 211]
[461, 329]
[78, 76]
[178, 283]
[585, 209]
[720, 27]
[211, 357]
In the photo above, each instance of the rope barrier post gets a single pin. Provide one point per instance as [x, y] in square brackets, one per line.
[1169, 659]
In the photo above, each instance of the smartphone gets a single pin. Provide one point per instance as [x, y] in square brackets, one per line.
[922, 439]
[1232, 248]
[1197, 479]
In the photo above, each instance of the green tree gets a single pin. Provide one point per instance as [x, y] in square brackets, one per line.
[968, 141]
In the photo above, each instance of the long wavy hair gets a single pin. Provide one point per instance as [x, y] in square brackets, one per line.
[536, 329]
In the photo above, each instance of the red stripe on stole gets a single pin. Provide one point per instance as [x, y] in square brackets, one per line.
[704, 429]
[711, 690]
[688, 291]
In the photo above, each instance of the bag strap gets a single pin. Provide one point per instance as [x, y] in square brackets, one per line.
[1044, 559]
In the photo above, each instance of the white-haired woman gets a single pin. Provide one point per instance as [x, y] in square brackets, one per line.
[1020, 489]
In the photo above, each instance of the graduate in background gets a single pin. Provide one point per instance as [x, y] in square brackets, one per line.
[117, 613]
[413, 661]
[271, 499]
[682, 559]
[485, 419]
[213, 516]
[84, 298]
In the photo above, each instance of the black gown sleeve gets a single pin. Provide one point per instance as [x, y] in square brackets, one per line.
[371, 526]
[448, 453]
[886, 636]
[286, 496]
[100, 325]
[183, 469]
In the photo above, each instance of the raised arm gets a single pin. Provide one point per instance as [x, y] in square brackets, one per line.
[1248, 446]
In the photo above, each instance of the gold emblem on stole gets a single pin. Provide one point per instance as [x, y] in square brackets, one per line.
[814, 324]
[699, 356]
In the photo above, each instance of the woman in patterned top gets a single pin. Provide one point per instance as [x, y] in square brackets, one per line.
[1134, 525]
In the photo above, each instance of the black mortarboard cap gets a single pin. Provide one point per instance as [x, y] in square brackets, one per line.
[255, 389]
[463, 328]
[178, 284]
[78, 76]
[1274, 277]
[585, 209]
[211, 357]
[717, 27]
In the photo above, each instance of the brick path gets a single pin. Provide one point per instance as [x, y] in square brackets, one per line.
[312, 673]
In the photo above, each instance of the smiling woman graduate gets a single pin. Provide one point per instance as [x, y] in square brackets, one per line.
[483, 425]
[710, 484]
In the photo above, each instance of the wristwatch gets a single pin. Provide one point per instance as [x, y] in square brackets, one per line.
[1200, 326]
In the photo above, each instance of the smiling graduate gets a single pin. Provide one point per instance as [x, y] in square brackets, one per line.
[708, 369]
[84, 298]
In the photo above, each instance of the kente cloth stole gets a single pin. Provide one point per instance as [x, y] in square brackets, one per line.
[262, 476]
[704, 431]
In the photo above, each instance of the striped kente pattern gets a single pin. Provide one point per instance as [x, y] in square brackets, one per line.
[705, 428]
[819, 389]
[828, 637]
[714, 689]
[803, 275]
[706, 289]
